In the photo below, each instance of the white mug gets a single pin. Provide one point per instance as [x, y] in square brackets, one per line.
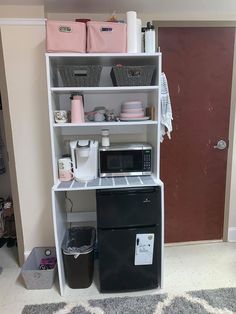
[60, 116]
[65, 169]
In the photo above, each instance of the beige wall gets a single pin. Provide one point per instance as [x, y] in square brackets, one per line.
[21, 11]
[232, 162]
[27, 97]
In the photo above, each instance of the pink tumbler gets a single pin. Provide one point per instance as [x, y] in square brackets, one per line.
[77, 109]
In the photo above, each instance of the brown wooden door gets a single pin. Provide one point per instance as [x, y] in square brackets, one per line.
[198, 65]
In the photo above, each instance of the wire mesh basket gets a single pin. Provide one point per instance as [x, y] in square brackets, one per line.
[132, 75]
[78, 76]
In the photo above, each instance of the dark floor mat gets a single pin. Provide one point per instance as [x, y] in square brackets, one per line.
[11, 242]
[3, 241]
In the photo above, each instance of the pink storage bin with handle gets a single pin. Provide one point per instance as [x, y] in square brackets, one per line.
[106, 37]
[66, 36]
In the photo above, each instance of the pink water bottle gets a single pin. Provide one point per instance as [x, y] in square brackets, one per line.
[77, 109]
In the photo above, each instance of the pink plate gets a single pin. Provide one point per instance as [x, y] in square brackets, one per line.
[132, 115]
[133, 110]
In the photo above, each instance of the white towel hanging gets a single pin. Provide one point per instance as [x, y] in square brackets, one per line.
[166, 111]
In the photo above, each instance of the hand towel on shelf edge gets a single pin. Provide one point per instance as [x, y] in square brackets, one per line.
[166, 110]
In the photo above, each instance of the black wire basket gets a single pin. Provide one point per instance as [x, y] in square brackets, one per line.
[132, 75]
[78, 76]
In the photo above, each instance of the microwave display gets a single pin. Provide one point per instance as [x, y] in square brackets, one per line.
[122, 161]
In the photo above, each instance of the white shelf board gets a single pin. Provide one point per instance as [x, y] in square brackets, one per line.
[104, 124]
[107, 183]
[87, 55]
[112, 89]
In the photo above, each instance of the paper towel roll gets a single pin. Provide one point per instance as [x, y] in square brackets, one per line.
[132, 45]
[139, 35]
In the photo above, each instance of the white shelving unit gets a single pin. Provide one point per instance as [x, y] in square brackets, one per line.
[136, 131]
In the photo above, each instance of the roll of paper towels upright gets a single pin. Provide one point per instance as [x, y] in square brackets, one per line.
[132, 37]
[139, 35]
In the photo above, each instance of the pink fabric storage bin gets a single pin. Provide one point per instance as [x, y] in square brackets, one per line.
[106, 37]
[66, 36]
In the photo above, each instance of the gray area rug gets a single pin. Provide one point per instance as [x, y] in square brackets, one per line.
[218, 301]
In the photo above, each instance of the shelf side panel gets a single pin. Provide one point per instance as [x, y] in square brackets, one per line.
[60, 225]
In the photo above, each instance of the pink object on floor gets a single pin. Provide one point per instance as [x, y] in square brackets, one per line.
[106, 37]
[65, 36]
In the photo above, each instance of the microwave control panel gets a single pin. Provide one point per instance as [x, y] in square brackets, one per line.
[147, 160]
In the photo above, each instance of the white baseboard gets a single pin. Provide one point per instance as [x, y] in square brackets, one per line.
[232, 234]
[192, 243]
[26, 254]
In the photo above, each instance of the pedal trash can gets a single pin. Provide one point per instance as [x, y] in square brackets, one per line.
[78, 256]
[40, 268]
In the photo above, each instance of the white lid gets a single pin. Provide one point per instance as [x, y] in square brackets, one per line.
[105, 132]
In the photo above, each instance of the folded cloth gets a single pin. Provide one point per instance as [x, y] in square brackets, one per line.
[2, 164]
[166, 111]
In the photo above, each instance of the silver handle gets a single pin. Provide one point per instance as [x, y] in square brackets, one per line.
[221, 144]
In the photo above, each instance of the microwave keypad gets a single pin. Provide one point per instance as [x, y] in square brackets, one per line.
[147, 161]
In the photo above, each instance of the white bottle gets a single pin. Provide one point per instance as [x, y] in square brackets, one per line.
[105, 138]
[150, 42]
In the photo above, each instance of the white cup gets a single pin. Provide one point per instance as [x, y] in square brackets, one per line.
[65, 169]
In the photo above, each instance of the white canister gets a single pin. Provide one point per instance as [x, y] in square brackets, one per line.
[65, 169]
[105, 138]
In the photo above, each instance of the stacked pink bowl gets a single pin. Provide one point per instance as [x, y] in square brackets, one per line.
[132, 110]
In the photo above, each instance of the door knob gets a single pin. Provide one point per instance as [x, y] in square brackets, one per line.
[221, 144]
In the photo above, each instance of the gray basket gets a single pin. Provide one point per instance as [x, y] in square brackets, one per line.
[78, 76]
[35, 278]
[132, 75]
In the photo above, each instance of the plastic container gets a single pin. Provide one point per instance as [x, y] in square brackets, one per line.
[35, 278]
[78, 256]
[65, 36]
[106, 37]
[105, 138]
[77, 76]
[150, 45]
[132, 75]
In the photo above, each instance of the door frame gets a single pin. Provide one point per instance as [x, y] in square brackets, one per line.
[229, 231]
[11, 158]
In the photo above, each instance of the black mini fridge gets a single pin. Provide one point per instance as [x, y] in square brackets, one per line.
[129, 238]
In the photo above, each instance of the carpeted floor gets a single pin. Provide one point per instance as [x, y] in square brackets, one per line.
[219, 301]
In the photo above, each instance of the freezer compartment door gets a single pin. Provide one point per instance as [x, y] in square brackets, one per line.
[117, 208]
[129, 259]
